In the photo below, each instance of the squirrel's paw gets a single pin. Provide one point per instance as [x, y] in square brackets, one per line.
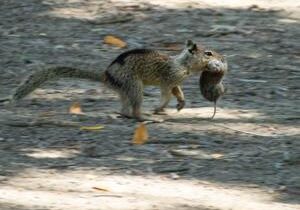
[180, 105]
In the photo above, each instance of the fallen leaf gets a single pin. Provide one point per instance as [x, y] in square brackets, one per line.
[75, 108]
[115, 41]
[101, 189]
[91, 128]
[140, 134]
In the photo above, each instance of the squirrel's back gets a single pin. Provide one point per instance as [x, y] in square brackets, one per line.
[150, 66]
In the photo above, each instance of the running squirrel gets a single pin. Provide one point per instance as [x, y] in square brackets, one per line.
[131, 71]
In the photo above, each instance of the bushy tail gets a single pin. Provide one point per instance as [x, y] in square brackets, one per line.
[36, 79]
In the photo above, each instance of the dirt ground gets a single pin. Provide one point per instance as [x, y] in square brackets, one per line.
[248, 157]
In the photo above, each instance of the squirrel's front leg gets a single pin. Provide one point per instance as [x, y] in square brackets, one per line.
[177, 92]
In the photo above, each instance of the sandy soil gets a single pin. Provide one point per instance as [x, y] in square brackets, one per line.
[246, 158]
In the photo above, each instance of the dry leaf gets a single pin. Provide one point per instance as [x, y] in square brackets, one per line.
[75, 108]
[100, 188]
[112, 40]
[91, 128]
[140, 134]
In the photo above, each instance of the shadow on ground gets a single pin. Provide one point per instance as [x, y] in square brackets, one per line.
[263, 53]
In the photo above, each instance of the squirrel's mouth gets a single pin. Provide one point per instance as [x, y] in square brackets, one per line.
[216, 66]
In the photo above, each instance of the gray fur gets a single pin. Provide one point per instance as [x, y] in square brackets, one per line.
[36, 79]
[130, 72]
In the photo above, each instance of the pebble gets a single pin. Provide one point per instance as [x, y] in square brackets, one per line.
[174, 176]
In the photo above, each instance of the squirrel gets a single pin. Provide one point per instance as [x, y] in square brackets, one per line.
[131, 71]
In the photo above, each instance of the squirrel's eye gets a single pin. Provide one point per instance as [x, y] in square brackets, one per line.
[208, 53]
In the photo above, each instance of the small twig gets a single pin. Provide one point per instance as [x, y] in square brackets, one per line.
[121, 19]
[175, 141]
[241, 131]
[41, 122]
[148, 120]
[209, 120]
[109, 195]
[253, 80]
[172, 170]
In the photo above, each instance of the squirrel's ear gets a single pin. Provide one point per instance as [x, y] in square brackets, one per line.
[191, 46]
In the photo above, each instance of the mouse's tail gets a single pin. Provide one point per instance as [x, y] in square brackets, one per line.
[215, 110]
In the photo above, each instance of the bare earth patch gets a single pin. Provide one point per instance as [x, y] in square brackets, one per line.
[247, 158]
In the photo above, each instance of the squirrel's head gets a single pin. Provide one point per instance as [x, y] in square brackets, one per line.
[200, 59]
